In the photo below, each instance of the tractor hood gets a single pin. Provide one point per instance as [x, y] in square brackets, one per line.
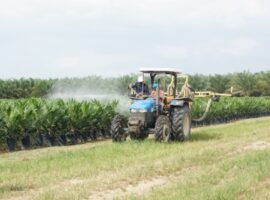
[147, 104]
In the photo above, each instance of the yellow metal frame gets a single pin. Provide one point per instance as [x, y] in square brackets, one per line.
[186, 92]
[201, 94]
[211, 94]
[184, 76]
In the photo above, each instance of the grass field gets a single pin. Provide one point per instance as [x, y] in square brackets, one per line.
[229, 161]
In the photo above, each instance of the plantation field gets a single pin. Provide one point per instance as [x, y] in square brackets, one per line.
[41, 122]
[230, 161]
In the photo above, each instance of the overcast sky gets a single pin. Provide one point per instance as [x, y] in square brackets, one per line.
[58, 38]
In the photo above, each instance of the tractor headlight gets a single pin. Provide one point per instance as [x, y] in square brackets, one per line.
[138, 111]
[143, 110]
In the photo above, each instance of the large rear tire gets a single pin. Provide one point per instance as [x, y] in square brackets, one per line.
[181, 123]
[162, 129]
[117, 129]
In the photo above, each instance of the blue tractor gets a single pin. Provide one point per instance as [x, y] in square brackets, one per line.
[162, 109]
[156, 109]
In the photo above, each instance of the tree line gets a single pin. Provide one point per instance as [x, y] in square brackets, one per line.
[25, 88]
[251, 84]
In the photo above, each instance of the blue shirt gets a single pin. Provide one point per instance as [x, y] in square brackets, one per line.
[140, 87]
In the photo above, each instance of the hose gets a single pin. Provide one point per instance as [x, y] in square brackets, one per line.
[205, 112]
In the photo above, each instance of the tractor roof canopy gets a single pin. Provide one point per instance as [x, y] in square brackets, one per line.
[160, 71]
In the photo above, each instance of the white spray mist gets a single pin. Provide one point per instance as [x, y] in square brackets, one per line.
[83, 93]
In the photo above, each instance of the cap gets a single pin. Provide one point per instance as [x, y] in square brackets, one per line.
[140, 79]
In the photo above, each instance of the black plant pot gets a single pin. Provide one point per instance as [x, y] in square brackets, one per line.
[73, 139]
[83, 137]
[62, 140]
[11, 144]
[40, 140]
[99, 134]
[50, 140]
[89, 135]
[26, 142]
[93, 135]
[103, 133]
[108, 132]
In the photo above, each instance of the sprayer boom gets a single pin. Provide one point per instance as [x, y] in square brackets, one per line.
[198, 94]
[211, 94]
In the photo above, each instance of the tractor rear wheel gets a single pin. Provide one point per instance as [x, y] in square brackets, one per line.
[117, 129]
[181, 123]
[163, 129]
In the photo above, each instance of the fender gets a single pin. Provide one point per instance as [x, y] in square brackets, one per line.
[177, 103]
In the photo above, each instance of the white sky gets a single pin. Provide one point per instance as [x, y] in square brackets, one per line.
[58, 38]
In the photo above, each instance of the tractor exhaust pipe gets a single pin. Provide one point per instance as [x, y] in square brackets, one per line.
[157, 98]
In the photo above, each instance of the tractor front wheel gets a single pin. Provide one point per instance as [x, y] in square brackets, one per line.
[181, 123]
[117, 129]
[162, 129]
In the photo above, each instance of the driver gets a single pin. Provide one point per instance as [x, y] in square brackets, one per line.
[140, 87]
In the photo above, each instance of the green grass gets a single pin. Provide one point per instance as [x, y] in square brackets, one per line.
[229, 161]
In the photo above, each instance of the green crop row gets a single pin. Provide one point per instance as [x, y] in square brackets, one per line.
[40, 122]
[35, 121]
[232, 108]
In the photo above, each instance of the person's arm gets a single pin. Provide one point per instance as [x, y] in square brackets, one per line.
[153, 94]
[134, 86]
[161, 94]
